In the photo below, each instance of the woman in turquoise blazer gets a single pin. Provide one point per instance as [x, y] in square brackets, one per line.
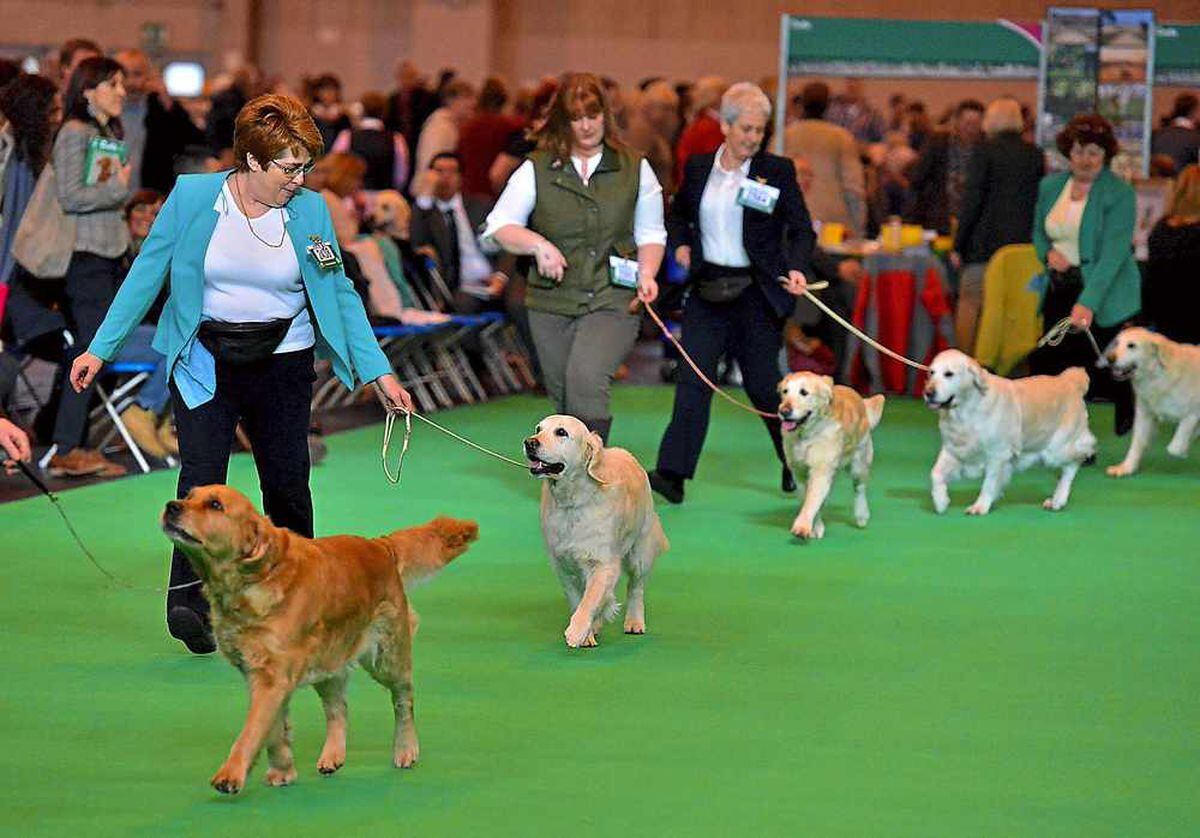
[1083, 234]
[246, 250]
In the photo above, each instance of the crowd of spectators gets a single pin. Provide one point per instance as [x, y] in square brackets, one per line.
[410, 175]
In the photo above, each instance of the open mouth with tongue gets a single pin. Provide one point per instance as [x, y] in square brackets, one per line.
[932, 402]
[541, 468]
[790, 425]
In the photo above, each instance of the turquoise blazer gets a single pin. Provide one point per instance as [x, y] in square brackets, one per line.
[1112, 285]
[176, 248]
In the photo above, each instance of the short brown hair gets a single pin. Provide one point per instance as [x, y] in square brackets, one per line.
[343, 172]
[269, 125]
[1088, 129]
[1185, 201]
[578, 94]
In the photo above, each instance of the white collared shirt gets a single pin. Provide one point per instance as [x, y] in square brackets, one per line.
[246, 280]
[474, 269]
[520, 195]
[721, 215]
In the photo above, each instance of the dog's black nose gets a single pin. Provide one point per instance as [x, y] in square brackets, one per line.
[531, 444]
[174, 507]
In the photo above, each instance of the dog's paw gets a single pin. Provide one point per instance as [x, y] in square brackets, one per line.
[635, 626]
[1119, 470]
[1051, 505]
[331, 760]
[281, 776]
[406, 755]
[228, 780]
[979, 508]
[941, 501]
[578, 634]
[1180, 451]
[802, 528]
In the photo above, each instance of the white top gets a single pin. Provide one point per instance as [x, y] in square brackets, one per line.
[519, 196]
[474, 269]
[721, 215]
[1062, 224]
[246, 280]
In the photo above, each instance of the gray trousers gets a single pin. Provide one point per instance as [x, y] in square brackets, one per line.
[579, 357]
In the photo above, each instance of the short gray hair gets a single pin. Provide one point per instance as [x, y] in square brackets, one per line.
[741, 97]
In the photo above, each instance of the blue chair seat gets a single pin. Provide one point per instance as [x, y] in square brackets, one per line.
[402, 331]
[131, 367]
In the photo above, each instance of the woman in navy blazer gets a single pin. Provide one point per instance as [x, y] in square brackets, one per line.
[243, 250]
[740, 226]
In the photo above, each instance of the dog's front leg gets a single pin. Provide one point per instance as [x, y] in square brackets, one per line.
[945, 470]
[267, 697]
[279, 751]
[599, 589]
[995, 477]
[333, 700]
[1182, 441]
[1143, 432]
[807, 523]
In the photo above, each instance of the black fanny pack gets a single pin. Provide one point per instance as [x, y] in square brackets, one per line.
[243, 343]
[723, 288]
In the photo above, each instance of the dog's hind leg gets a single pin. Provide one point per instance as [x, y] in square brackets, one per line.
[1182, 441]
[860, 474]
[1062, 491]
[267, 697]
[279, 751]
[596, 595]
[333, 700]
[391, 666]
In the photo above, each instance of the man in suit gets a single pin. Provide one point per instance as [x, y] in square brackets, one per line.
[443, 226]
[940, 174]
[740, 226]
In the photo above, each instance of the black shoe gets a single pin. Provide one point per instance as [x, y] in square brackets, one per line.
[192, 629]
[671, 488]
[787, 482]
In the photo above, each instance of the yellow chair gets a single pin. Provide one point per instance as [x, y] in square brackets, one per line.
[1010, 323]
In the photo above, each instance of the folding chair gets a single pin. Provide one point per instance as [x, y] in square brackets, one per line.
[114, 403]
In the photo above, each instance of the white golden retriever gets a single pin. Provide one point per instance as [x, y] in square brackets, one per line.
[826, 427]
[598, 519]
[992, 425]
[1166, 387]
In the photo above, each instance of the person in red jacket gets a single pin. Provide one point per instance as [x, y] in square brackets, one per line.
[703, 134]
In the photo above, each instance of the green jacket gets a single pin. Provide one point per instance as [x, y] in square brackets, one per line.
[1112, 285]
[588, 224]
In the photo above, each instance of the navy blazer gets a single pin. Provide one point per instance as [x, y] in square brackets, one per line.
[776, 242]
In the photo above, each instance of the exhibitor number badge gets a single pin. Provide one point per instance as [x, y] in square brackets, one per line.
[323, 253]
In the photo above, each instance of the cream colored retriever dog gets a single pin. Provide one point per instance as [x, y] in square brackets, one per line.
[1166, 387]
[826, 427]
[992, 425]
[597, 519]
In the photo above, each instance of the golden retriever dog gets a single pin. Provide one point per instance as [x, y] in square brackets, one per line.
[991, 426]
[598, 519]
[1166, 388]
[390, 214]
[826, 427]
[289, 611]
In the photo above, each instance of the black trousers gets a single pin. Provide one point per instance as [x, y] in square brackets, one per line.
[272, 399]
[747, 330]
[1076, 350]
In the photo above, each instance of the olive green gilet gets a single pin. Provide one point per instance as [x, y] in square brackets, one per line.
[587, 224]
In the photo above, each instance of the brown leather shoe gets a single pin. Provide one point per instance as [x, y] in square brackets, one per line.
[78, 462]
[143, 427]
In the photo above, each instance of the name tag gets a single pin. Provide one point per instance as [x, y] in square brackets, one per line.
[757, 196]
[622, 272]
[323, 253]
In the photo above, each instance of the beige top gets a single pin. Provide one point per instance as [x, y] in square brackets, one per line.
[1062, 224]
[838, 192]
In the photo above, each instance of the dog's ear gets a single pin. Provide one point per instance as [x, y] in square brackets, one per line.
[978, 377]
[595, 450]
[256, 543]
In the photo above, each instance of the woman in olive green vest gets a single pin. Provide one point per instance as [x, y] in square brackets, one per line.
[591, 214]
[1083, 234]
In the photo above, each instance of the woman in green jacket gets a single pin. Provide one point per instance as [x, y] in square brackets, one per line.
[1083, 233]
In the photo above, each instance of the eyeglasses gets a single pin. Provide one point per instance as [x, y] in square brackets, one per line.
[293, 169]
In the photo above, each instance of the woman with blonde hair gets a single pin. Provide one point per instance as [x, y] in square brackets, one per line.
[590, 212]
[997, 207]
[256, 286]
[1171, 291]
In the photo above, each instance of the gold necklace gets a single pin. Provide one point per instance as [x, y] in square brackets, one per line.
[242, 201]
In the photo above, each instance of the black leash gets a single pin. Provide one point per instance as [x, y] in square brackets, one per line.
[53, 498]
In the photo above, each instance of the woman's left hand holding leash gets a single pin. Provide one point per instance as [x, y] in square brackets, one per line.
[15, 445]
[1081, 317]
[393, 396]
[795, 283]
[647, 292]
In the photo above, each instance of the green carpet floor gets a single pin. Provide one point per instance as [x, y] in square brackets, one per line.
[1027, 673]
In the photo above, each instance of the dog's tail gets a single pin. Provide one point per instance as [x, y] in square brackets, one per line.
[874, 407]
[422, 551]
[1076, 378]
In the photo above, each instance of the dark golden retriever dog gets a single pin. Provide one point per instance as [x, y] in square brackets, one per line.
[289, 611]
